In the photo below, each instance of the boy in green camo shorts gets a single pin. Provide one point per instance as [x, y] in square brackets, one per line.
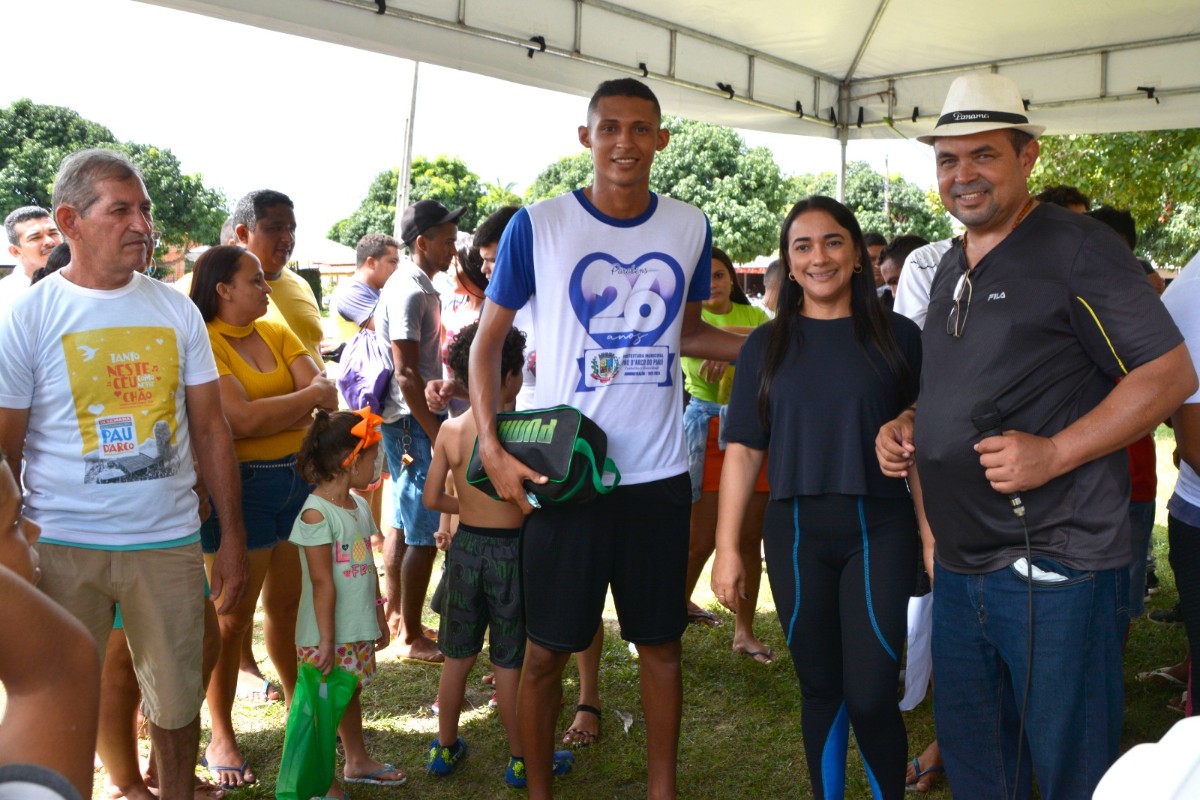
[483, 577]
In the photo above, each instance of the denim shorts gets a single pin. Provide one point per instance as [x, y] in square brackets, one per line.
[272, 495]
[696, 415]
[406, 436]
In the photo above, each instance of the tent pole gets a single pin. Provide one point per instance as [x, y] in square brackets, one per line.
[843, 139]
[406, 165]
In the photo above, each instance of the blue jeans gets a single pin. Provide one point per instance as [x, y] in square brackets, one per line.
[696, 415]
[406, 436]
[1076, 697]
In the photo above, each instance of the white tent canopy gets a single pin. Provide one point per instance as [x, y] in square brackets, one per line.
[845, 69]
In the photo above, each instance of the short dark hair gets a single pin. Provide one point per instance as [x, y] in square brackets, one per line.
[78, 174]
[492, 228]
[458, 354]
[374, 245]
[873, 238]
[215, 265]
[22, 214]
[1020, 139]
[1120, 221]
[623, 87]
[253, 206]
[901, 247]
[1063, 196]
[326, 445]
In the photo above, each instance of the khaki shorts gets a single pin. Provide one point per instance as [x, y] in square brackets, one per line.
[161, 593]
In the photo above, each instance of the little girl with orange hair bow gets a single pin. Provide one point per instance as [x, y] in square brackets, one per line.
[341, 621]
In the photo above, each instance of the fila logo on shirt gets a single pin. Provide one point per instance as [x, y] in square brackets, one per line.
[996, 296]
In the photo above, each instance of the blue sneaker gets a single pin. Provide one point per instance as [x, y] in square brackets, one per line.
[514, 776]
[441, 761]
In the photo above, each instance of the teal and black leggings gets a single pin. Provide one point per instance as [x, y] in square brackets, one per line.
[841, 572]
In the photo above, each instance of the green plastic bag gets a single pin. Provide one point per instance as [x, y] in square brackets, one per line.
[307, 767]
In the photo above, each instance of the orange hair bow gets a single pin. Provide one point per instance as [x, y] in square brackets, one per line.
[367, 431]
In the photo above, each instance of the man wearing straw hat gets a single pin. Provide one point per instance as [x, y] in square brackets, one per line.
[1034, 314]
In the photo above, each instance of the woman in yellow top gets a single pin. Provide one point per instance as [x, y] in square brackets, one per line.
[270, 387]
[708, 382]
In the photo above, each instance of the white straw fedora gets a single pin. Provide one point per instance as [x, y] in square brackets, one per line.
[982, 102]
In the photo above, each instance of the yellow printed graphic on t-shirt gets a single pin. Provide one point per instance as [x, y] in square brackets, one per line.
[123, 382]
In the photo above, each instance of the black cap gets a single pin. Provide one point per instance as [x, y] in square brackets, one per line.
[423, 215]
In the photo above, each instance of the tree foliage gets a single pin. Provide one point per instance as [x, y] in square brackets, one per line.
[565, 175]
[445, 179]
[1155, 175]
[497, 196]
[740, 189]
[909, 208]
[34, 139]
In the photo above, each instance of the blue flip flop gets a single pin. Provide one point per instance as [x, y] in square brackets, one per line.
[921, 773]
[373, 779]
[217, 769]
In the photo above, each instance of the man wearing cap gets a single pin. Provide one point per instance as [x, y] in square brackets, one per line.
[409, 320]
[1033, 314]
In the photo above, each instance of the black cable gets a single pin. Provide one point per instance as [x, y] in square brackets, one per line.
[1028, 657]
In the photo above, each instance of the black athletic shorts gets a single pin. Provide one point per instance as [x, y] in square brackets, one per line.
[635, 539]
[483, 590]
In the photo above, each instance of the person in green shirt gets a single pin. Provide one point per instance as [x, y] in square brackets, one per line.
[707, 383]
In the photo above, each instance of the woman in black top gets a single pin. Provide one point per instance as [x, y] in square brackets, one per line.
[813, 387]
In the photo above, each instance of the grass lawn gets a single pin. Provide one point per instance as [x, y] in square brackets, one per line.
[741, 720]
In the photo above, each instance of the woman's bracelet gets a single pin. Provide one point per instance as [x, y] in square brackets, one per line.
[381, 601]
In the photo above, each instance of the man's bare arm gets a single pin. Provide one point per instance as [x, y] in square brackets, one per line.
[1146, 396]
[894, 445]
[406, 355]
[506, 473]
[698, 339]
[14, 424]
[213, 445]
[1186, 422]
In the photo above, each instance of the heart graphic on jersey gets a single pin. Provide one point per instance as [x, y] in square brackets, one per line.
[626, 304]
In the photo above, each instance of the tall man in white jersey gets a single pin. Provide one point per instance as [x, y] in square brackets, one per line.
[614, 275]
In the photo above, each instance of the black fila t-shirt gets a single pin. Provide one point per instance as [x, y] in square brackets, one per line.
[1059, 311]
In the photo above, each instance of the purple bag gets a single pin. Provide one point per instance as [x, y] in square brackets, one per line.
[366, 372]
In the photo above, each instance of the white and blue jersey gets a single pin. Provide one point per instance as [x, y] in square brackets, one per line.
[607, 297]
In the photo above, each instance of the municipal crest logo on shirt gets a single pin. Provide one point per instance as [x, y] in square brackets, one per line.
[625, 309]
[605, 367]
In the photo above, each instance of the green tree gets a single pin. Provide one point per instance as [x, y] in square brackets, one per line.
[1155, 175]
[741, 189]
[375, 214]
[34, 139]
[445, 179]
[565, 175]
[497, 196]
[909, 208]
